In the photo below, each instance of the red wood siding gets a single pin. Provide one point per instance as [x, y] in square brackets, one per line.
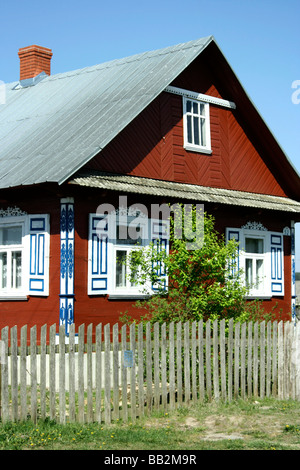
[152, 146]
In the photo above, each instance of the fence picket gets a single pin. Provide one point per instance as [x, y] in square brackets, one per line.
[124, 376]
[171, 366]
[90, 411]
[52, 367]
[81, 331]
[72, 415]
[249, 360]
[140, 369]
[164, 366]
[187, 375]
[5, 415]
[62, 376]
[107, 377]
[179, 362]
[98, 372]
[230, 359]
[132, 373]
[149, 368]
[216, 360]
[116, 413]
[43, 371]
[236, 359]
[14, 372]
[223, 359]
[208, 359]
[201, 361]
[23, 373]
[33, 374]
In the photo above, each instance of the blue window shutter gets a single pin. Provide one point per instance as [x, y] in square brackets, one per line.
[234, 233]
[39, 245]
[160, 239]
[99, 262]
[277, 270]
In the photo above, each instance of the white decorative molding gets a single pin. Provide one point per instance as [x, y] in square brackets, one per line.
[287, 231]
[201, 97]
[252, 225]
[12, 212]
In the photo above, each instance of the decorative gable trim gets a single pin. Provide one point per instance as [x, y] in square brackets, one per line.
[201, 97]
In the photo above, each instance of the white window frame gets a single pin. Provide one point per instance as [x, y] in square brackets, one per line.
[35, 256]
[263, 288]
[191, 146]
[128, 289]
[102, 252]
[273, 283]
[9, 291]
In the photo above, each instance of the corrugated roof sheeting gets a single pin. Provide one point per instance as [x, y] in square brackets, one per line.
[50, 130]
[147, 186]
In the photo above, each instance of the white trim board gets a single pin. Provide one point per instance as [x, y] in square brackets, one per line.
[201, 97]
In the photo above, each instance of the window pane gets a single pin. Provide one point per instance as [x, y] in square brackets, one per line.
[195, 108]
[254, 245]
[249, 272]
[16, 270]
[196, 131]
[11, 236]
[259, 271]
[3, 270]
[189, 130]
[121, 268]
[203, 133]
[202, 109]
[189, 106]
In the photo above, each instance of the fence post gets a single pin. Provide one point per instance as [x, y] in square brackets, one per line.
[23, 372]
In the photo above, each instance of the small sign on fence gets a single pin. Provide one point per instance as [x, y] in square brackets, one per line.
[2, 352]
[128, 358]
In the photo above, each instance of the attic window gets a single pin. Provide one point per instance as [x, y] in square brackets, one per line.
[196, 126]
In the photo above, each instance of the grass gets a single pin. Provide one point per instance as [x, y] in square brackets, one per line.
[266, 424]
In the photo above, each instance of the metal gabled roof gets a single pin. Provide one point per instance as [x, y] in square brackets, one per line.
[51, 129]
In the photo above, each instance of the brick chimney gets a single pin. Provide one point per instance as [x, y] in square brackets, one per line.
[34, 60]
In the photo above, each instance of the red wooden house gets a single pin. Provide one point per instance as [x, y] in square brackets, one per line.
[173, 125]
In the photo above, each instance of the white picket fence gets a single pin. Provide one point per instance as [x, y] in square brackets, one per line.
[106, 373]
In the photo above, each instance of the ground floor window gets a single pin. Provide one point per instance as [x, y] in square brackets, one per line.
[112, 242]
[24, 256]
[260, 259]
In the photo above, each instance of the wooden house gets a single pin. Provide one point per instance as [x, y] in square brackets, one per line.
[173, 125]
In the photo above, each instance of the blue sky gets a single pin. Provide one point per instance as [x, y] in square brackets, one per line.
[259, 38]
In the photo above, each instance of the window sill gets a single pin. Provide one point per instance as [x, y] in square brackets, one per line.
[13, 297]
[128, 296]
[258, 297]
[191, 148]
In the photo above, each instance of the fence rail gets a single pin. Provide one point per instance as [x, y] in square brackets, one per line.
[106, 373]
